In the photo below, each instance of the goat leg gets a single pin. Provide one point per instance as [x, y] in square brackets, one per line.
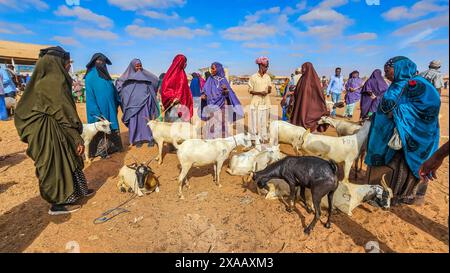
[316, 201]
[86, 152]
[330, 208]
[303, 196]
[291, 206]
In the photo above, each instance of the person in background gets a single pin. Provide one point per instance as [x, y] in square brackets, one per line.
[287, 97]
[27, 78]
[9, 87]
[221, 104]
[372, 93]
[428, 169]
[405, 130]
[102, 101]
[207, 75]
[47, 120]
[260, 86]
[335, 88]
[137, 91]
[434, 76]
[196, 89]
[297, 75]
[353, 93]
[324, 85]
[175, 93]
[3, 111]
[309, 104]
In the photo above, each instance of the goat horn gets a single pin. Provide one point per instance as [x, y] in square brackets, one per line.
[383, 182]
[99, 118]
[135, 159]
[150, 161]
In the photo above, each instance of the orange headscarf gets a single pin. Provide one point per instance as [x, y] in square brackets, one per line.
[175, 85]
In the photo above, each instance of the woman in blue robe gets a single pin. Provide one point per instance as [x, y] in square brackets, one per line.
[137, 90]
[102, 101]
[411, 105]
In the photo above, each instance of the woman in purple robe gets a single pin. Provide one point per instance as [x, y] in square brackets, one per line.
[372, 93]
[220, 104]
[353, 95]
[137, 90]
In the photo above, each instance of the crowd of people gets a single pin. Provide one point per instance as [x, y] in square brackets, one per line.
[47, 120]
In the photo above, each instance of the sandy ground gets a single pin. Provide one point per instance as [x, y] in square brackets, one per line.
[229, 219]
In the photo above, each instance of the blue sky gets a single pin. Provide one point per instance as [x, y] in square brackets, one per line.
[329, 33]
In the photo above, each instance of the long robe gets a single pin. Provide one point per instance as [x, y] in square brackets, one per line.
[139, 104]
[102, 99]
[309, 101]
[414, 104]
[375, 85]
[355, 96]
[46, 119]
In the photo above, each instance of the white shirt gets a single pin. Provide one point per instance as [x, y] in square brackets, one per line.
[260, 84]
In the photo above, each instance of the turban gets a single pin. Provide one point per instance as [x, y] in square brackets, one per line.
[262, 60]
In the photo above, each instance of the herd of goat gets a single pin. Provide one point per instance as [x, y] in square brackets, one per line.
[316, 169]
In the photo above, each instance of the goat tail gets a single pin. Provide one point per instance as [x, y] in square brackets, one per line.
[334, 166]
[175, 144]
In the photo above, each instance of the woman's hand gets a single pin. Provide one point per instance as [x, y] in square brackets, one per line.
[372, 96]
[428, 169]
[203, 97]
[80, 150]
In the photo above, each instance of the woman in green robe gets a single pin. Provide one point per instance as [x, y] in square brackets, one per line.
[46, 119]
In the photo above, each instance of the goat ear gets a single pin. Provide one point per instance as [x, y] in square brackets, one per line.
[135, 159]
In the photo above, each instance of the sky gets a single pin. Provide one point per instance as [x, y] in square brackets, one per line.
[353, 34]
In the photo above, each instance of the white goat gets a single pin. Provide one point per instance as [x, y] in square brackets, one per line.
[199, 153]
[343, 128]
[131, 176]
[284, 132]
[90, 130]
[175, 132]
[254, 160]
[340, 149]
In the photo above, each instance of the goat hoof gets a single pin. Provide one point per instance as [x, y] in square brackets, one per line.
[290, 210]
[123, 190]
[307, 231]
[328, 225]
[220, 185]
[309, 211]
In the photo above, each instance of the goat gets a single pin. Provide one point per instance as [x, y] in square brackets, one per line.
[306, 172]
[347, 196]
[346, 128]
[254, 160]
[343, 128]
[339, 149]
[138, 178]
[90, 130]
[284, 132]
[176, 132]
[199, 153]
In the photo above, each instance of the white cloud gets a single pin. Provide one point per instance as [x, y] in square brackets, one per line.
[160, 15]
[413, 28]
[180, 32]
[96, 34]
[333, 3]
[419, 37]
[419, 9]
[256, 45]
[249, 32]
[428, 43]
[138, 22]
[364, 36]
[190, 20]
[25, 4]
[69, 41]
[142, 4]
[11, 28]
[325, 22]
[83, 14]
[253, 18]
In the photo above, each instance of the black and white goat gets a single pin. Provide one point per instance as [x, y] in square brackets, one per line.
[305, 172]
[138, 178]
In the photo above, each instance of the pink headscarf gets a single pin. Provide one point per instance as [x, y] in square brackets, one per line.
[262, 60]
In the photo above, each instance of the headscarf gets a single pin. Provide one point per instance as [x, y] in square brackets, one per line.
[262, 60]
[309, 101]
[131, 82]
[375, 85]
[415, 105]
[436, 64]
[175, 85]
[102, 69]
[215, 99]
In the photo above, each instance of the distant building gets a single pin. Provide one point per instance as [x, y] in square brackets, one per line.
[206, 69]
[23, 56]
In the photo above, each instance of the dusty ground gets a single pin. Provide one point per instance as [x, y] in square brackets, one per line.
[230, 219]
